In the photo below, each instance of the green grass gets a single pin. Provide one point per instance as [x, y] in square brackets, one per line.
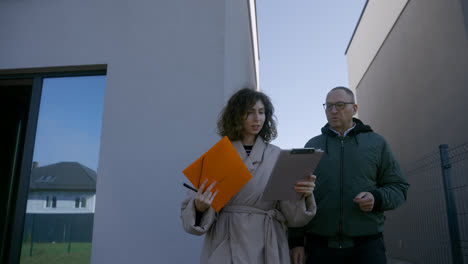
[55, 253]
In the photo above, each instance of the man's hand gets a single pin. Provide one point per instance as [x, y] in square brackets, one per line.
[365, 200]
[306, 187]
[204, 198]
[297, 255]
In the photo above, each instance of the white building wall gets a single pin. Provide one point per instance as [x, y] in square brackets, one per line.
[65, 202]
[166, 83]
[237, 42]
[375, 24]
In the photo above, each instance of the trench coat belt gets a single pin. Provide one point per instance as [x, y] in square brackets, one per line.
[271, 237]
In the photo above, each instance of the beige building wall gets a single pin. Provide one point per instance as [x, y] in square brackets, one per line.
[415, 88]
[413, 91]
[375, 24]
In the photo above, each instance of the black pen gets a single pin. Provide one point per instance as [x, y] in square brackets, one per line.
[190, 187]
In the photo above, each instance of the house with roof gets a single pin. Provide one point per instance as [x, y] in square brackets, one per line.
[61, 203]
[62, 188]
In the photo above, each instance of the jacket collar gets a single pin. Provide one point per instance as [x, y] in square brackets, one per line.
[360, 127]
[256, 155]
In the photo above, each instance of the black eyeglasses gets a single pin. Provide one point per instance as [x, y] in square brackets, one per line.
[338, 105]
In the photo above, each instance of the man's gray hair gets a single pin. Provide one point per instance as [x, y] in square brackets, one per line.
[347, 90]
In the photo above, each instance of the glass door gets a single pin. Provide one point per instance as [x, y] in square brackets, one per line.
[58, 223]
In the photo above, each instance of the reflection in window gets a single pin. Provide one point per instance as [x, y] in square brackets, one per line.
[80, 202]
[63, 174]
[51, 202]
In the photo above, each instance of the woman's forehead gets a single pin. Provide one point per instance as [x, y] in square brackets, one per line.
[257, 104]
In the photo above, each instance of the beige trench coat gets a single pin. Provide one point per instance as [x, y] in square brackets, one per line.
[248, 229]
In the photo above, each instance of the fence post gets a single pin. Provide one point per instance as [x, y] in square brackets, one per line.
[457, 257]
[32, 236]
[69, 238]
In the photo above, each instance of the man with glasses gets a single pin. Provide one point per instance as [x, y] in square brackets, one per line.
[357, 180]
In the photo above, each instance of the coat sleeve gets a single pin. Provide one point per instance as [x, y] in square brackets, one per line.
[296, 237]
[392, 184]
[188, 216]
[298, 213]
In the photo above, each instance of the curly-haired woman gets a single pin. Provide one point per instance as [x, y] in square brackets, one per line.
[248, 229]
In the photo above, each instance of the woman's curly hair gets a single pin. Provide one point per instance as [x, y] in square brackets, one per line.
[231, 117]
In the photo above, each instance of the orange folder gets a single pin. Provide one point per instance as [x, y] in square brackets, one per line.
[222, 164]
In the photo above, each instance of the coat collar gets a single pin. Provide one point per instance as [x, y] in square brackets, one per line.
[359, 128]
[256, 155]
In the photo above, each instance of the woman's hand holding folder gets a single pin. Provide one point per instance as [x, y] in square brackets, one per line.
[204, 198]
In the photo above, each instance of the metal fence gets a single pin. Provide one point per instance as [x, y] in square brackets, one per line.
[432, 226]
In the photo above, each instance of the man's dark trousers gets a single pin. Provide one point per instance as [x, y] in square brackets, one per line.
[368, 252]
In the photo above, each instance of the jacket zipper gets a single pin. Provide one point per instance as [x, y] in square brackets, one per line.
[340, 235]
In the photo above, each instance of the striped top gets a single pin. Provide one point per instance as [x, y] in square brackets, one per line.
[248, 149]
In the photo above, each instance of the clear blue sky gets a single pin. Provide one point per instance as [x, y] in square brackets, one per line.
[69, 125]
[302, 45]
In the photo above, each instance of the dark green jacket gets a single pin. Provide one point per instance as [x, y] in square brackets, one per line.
[360, 162]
